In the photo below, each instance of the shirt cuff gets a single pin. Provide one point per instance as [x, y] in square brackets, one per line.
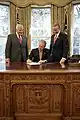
[63, 58]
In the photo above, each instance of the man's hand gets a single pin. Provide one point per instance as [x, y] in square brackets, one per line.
[62, 60]
[7, 60]
[42, 61]
[29, 61]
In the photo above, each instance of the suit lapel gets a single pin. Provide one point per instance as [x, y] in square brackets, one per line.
[17, 38]
[43, 54]
[22, 39]
[38, 54]
[59, 35]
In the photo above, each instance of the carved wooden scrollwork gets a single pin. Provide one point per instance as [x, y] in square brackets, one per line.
[76, 99]
[37, 77]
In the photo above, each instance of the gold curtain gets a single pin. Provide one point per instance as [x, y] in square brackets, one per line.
[60, 14]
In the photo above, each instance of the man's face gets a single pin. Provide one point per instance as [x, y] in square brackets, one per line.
[56, 29]
[41, 46]
[20, 31]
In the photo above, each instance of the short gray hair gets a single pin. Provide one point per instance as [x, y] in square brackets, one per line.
[19, 26]
[42, 41]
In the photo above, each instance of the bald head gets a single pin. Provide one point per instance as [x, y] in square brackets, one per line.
[19, 29]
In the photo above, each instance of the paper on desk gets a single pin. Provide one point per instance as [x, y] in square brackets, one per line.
[34, 63]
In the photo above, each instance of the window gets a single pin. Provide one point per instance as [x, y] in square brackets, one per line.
[4, 29]
[40, 25]
[75, 32]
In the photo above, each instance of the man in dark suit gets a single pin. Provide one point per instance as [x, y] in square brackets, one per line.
[16, 47]
[59, 46]
[39, 54]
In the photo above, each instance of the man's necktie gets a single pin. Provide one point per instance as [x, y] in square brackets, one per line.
[20, 39]
[55, 38]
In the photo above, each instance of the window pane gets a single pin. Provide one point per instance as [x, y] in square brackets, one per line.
[75, 33]
[40, 26]
[4, 29]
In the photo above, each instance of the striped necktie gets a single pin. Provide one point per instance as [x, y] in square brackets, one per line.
[20, 39]
[55, 38]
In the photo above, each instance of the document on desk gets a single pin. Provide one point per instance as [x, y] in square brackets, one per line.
[34, 63]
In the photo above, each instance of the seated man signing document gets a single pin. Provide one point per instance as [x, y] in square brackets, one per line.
[39, 54]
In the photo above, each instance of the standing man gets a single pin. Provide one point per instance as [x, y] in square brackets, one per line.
[16, 47]
[59, 46]
[39, 54]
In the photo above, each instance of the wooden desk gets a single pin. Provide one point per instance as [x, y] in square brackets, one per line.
[45, 92]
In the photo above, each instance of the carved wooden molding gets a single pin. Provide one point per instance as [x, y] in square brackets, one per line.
[24, 94]
[36, 98]
[24, 3]
[67, 118]
[37, 77]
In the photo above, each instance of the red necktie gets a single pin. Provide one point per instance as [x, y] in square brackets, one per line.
[20, 39]
[55, 38]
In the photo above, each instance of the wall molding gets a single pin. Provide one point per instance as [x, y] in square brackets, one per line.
[25, 3]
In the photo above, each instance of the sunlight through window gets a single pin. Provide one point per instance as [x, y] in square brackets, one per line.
[40, 26]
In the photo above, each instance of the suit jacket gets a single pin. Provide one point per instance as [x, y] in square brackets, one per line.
[58, 49]
[34, 55]
[14, 50]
